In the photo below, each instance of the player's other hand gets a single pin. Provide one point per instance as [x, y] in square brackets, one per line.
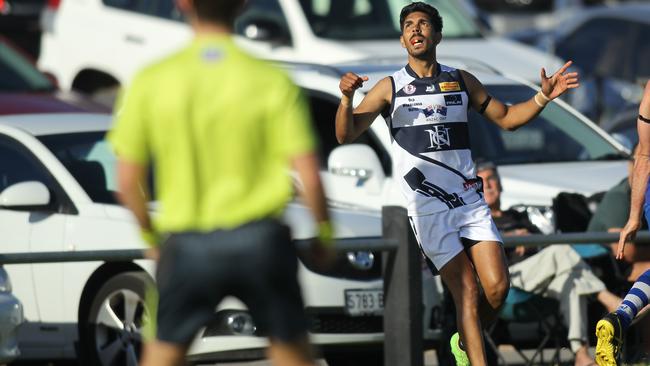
[555, 85]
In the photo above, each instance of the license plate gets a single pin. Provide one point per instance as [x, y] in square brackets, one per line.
[364, 302]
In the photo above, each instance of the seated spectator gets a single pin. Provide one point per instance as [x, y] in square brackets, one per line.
[611, 215]
[556, 271]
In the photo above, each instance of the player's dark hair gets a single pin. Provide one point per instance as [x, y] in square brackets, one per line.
[218, 11]
[434, 15]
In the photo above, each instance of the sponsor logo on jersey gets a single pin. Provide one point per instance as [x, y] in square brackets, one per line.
[409, 89]
[430, 88]
[449, 86]
[453, 99]
[439, 137]
[475, 184]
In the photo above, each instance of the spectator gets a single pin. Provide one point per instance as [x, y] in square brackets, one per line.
[222, 130]
[556, 271]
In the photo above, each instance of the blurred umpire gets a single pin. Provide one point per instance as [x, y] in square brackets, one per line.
[221, 130]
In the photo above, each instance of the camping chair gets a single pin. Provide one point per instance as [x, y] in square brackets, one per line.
[538, 316]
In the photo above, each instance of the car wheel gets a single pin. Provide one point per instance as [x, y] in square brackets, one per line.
[368, 358]
[111, 333]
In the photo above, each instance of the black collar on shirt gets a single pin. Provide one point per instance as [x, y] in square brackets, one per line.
[410, 71]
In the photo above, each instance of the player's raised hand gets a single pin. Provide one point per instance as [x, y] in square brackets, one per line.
[351, 82]
[555, 85]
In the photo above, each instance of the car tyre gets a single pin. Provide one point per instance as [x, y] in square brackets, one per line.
[111, 333]
[369, 358]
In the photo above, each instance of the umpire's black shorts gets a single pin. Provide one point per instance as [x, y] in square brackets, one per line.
[256, 263]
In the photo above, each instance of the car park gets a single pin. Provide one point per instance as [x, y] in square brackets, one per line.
[84, 43]
[57, 190]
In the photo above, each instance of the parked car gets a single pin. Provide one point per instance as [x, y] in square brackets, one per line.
[57, 192]
[610, 45]
[24, 89]
[11, 317]
[84, 43]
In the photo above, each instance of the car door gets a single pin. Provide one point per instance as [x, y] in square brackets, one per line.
[343, 171]
[33, 229]
[140, 29]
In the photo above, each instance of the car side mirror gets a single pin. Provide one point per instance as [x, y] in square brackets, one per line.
[360, 162]
[264, 30]
[25, 194]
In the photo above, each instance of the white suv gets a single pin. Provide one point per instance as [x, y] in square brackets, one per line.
[91, 45]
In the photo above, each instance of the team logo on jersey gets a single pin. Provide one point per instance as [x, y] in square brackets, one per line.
[431, 88]
[439, 137]
[449, 86]
[211, 54]
[409, 89]
[453, 99]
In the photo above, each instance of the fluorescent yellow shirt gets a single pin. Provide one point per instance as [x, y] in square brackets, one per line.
[220, 128]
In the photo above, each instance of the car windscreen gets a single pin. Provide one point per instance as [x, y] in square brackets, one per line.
[378, 19]
[556, 135]
[90, 160]
[17, 74]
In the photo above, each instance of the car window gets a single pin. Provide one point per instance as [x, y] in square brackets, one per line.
[18, 165]
[17, 74]
[600, 47]
[140, 6]
[167, 9]
[323, 111]
[555, 135]
[641, 54]
[377, 19]
[256, 10]
[89, 159]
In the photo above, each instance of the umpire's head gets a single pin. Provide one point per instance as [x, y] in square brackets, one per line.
[218, 12]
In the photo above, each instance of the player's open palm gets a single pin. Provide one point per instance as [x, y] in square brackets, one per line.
[555, 85]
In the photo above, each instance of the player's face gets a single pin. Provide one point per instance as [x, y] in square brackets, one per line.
[418, 35]
[491, 188]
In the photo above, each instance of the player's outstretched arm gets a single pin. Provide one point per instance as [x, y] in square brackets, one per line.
[515, 116]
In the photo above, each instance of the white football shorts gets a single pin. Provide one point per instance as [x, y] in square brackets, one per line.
[439, 234]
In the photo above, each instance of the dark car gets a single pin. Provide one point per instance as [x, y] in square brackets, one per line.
[21, 14]
[24, 89]
[623, 127]
[611, 47]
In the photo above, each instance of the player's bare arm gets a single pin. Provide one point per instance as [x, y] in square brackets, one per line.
[640, 174]
[351, 123]
[515, 116]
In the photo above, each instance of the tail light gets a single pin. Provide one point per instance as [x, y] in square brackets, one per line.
[52, 4]
[3, 5]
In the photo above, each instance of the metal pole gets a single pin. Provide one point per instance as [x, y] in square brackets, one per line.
[403, 344]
